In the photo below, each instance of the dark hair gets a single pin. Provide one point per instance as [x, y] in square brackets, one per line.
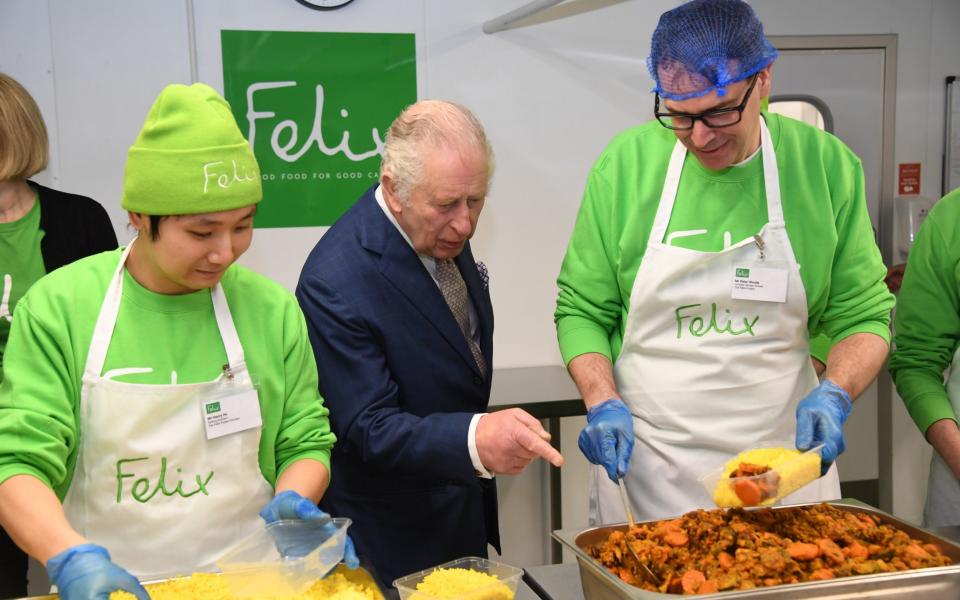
[155, 225]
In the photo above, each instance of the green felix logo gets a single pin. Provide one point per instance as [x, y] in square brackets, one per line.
[315, 108]
[699, 326]
[213, 407]
[143, 489]
[743, 272]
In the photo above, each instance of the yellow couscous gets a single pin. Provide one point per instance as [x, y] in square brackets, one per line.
[791, 469]
[340, 585]
[463, 584]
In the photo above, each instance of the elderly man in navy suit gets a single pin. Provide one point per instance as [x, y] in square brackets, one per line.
[401, 323]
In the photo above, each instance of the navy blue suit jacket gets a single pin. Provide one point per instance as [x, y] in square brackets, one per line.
[401, 386]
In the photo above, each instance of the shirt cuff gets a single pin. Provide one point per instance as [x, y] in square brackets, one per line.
[478, 467]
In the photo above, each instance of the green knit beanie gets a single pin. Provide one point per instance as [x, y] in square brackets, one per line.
[190, 157]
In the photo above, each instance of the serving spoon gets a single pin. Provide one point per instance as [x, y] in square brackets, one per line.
[645, 571]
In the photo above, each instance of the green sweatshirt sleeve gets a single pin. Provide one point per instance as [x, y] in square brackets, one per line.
[38, 410]
[858, 299]
[928, 316]
[820, 347]
[304, 427]
[589, 302]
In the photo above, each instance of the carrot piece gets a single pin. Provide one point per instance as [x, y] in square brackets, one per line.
[748, 492]
[802, 551]
[856, 550]
[676, 538]
[709, 587]
[691, 581]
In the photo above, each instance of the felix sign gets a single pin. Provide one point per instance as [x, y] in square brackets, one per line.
[315, 108]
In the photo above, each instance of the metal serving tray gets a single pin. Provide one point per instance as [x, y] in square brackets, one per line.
[936, 583]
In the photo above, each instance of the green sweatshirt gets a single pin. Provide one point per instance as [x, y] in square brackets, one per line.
[822, 190]
[928, 315]
[173, 336]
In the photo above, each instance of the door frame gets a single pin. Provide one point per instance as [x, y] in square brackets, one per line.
[887, 43]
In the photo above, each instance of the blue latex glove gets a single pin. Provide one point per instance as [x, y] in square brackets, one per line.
[291, 505]
[607, 440]
[85, 572]
[820, 419]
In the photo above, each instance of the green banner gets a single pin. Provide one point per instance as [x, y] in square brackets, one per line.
[316, 108]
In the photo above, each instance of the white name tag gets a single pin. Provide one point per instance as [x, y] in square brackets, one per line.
[759, 283]
[230, 414]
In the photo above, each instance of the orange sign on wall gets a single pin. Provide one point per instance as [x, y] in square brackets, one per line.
[909, 179]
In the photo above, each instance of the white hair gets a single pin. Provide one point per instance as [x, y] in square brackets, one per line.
[429, 124]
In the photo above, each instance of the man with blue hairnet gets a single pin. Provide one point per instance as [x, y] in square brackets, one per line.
[710, 244]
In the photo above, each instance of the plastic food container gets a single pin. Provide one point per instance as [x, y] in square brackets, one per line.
[504, 589]
[284, 558]
[788, 470]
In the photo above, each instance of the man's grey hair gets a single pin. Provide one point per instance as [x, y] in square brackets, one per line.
[429, 124]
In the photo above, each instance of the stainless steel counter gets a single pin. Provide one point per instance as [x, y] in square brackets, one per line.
[546, 393]
[555, 582]
[524, 592]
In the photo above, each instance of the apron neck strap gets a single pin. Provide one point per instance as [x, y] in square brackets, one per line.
[669, 193]
[236, 364]
[771, 184]
[110, 309]
[771, 177]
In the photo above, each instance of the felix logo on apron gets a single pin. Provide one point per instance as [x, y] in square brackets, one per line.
[700, 326]
[140, 488]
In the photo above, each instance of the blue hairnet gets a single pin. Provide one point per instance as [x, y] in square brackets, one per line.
[705, 45]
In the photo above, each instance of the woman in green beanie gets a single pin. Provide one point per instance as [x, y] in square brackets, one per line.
[160, 402]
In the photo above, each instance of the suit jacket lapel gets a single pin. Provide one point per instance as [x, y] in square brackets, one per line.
[401, 266]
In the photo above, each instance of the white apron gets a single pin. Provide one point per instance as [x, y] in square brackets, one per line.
[706, 376]
[942, 508]
[148, 485]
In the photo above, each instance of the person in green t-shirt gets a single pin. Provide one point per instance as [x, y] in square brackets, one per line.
[160, 393]
[711, 243]
[20, 257]
[927, 344]
[41, 229]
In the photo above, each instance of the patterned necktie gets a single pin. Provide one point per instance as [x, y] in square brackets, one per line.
[454, 291]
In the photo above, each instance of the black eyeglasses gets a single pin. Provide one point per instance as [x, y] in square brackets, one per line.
[722, 117]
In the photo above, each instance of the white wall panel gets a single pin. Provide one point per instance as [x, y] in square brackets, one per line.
[943, 50]
[25, 56]
[110, 60]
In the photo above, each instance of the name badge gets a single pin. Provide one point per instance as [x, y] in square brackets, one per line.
[231, 413]
[759, 283]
